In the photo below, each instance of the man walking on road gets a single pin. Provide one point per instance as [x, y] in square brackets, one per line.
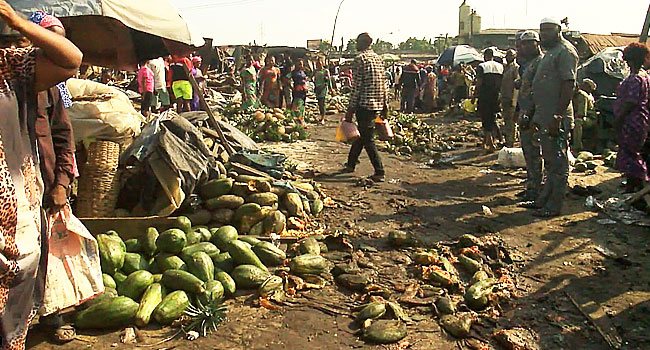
[509, 97]
[529, 57]
[368, 98]
[552, 90]
[488, 84]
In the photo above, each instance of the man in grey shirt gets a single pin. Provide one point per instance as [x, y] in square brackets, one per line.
[552, 91]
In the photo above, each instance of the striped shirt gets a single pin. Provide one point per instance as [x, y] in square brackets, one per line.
[369, 89]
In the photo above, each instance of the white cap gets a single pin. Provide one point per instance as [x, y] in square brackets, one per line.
[529, 35]
[551, 20]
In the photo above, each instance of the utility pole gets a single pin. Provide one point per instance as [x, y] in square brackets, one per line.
[646, 25]
[334, 27]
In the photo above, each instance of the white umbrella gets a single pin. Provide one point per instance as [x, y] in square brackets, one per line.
[119, 33]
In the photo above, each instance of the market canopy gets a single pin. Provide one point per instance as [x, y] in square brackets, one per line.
[456, 55]
[119, 33]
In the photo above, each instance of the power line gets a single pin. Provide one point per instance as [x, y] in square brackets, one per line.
[220, 4]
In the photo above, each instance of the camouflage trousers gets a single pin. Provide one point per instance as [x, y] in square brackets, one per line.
[533, 155]
[510, 127]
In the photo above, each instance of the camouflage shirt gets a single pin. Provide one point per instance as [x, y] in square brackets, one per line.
[525, 98]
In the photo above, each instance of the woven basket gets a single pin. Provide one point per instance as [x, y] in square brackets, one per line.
[99, 183]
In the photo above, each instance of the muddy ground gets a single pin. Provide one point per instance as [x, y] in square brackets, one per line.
[557, 259]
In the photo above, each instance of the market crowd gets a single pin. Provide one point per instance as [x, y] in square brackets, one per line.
[274, 82]
[535, 90]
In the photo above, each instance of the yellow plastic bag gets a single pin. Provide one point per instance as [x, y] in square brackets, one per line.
[347, 132]
[468, 106]
[340, 137]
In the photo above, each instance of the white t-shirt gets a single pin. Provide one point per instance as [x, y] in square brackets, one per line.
[492, 67]
[158, 67]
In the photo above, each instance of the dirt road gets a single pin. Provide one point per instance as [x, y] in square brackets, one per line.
[558, 259]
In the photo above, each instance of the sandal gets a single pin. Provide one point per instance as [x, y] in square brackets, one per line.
[64, 334]
[377, 178]
[545, 213]
[529, 205]
[346, 170]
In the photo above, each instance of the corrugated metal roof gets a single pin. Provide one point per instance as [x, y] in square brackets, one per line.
[500, 31]
[597, 42]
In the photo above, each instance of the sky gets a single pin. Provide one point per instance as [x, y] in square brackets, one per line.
[293, 22]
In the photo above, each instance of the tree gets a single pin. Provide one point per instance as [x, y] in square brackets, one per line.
[416, 45]
[325, 46]
[382, 46]
[352, 46]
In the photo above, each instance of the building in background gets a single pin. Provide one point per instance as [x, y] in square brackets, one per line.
[469, 23]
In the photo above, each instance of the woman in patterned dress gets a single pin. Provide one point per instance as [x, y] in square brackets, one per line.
[270, 83]
[23, 73]
[633, 117]
[249, 84]
[322, 85]
[299, 90]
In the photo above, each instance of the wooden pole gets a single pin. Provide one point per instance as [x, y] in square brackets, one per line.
[334, 28]
[646, 25]
[212, 120]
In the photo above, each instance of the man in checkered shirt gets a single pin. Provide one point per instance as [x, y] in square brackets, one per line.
[369, 97]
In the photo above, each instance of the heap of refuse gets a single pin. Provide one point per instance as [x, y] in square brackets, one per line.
[413, 135]
[460, 282]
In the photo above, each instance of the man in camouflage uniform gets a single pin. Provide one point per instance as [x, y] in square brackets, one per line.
[529, 56]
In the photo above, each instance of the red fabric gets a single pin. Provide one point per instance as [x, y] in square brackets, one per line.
[185, 60]
[50, 21]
